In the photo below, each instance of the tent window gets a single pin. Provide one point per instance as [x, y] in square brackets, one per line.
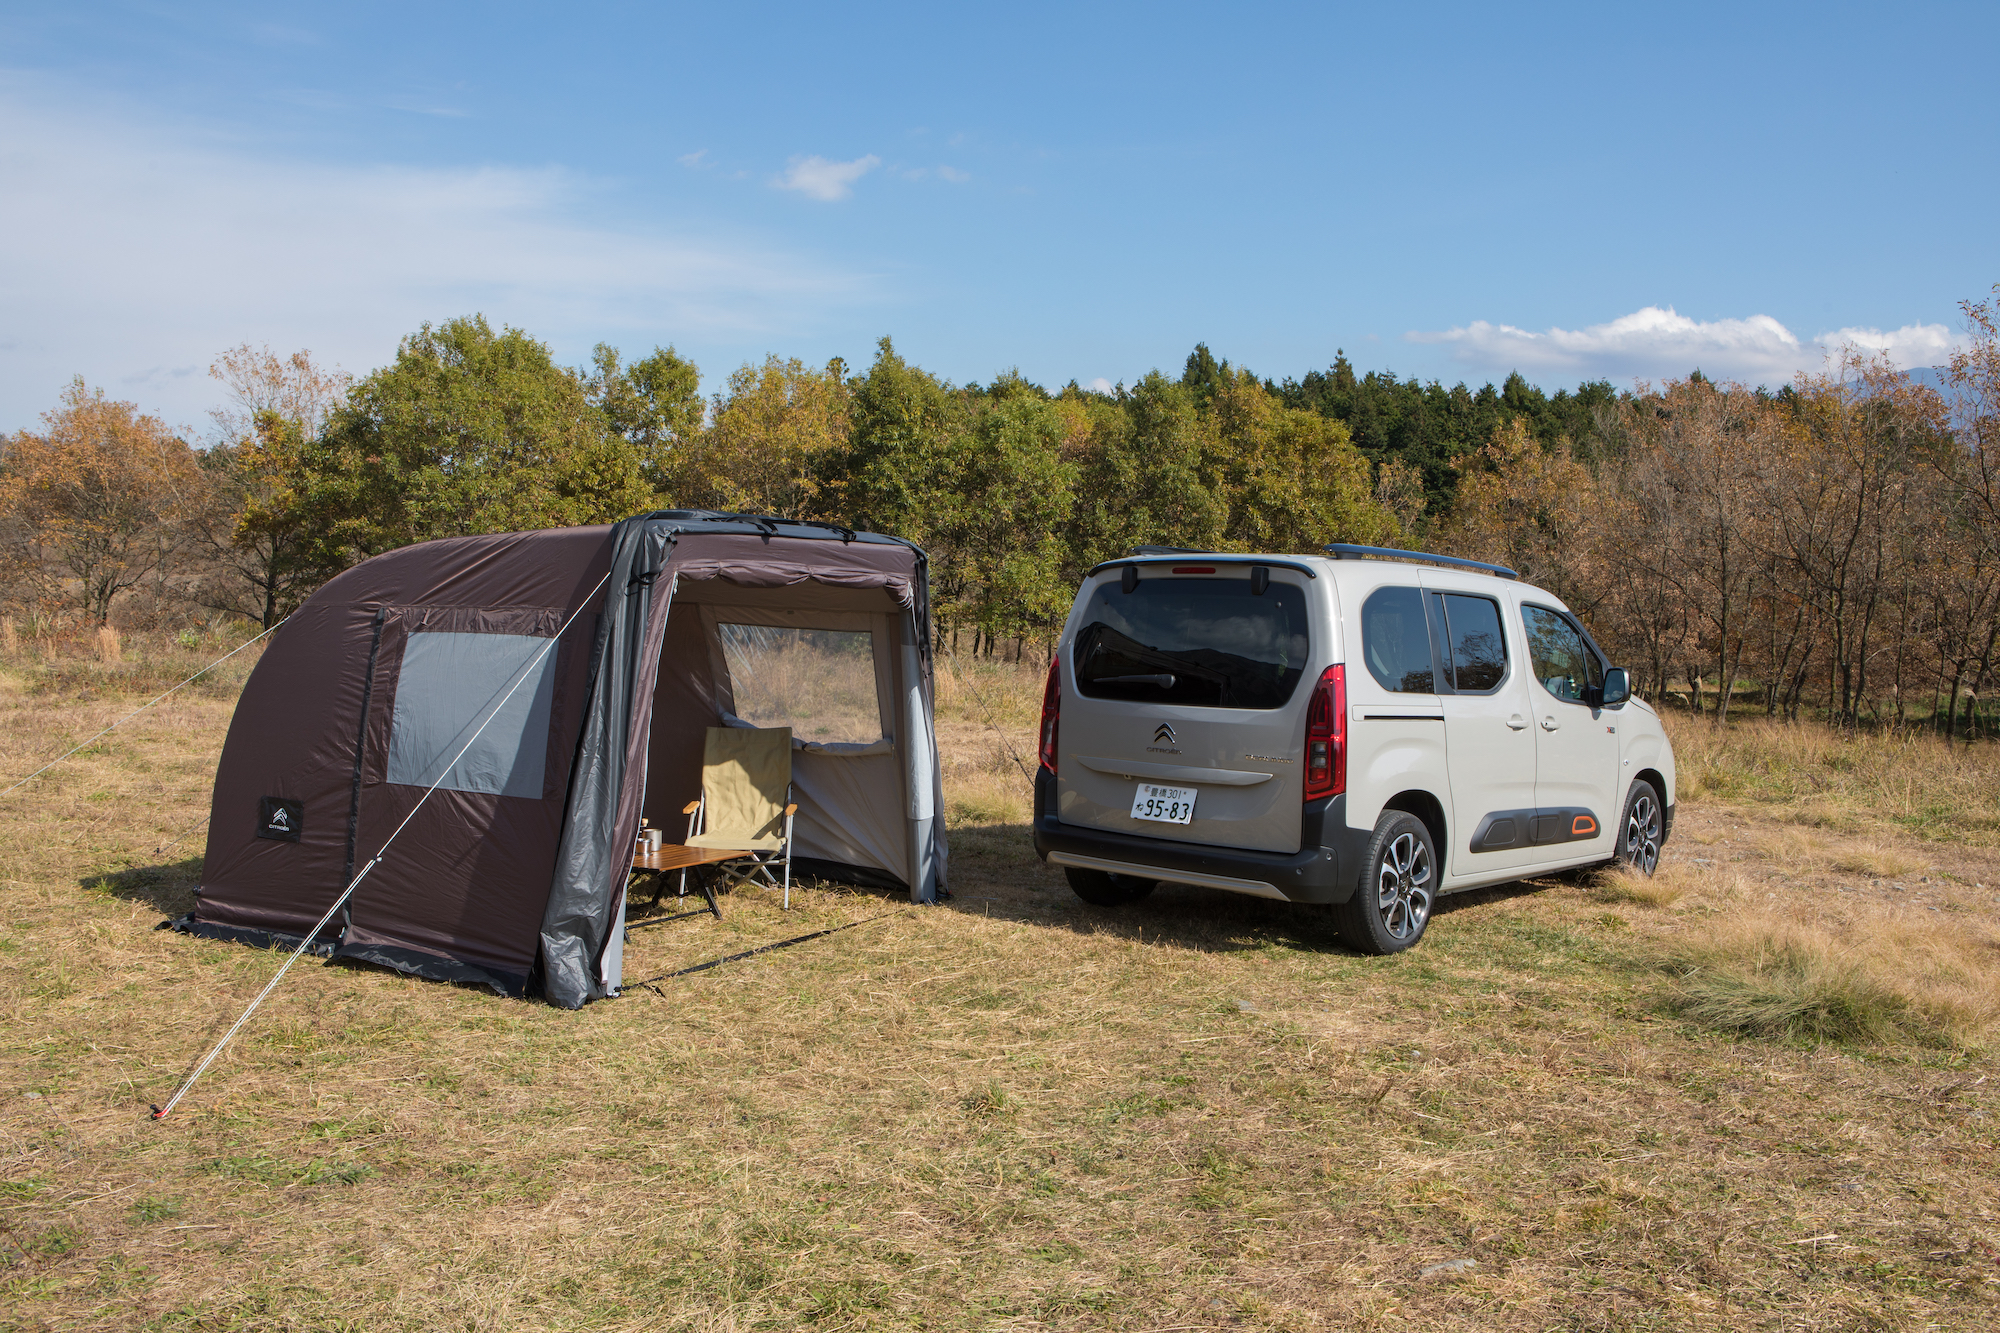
[448, 686]
[818, 682]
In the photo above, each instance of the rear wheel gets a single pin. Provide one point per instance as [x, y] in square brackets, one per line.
[1103, 888]
[1392, 904]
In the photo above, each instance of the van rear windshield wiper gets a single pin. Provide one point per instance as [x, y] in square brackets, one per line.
[1162, 680]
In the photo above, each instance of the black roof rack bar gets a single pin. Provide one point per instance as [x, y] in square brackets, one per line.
[1344, 551]
[1170, 550]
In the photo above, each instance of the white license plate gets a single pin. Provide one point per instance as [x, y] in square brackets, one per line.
[1168, 805]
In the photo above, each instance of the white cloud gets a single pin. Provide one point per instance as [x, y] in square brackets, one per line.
[133, 250]
[820, 179]
[694, 159]
[954, 175]
[1099, 385]
[1656, 343]
[1910, 346]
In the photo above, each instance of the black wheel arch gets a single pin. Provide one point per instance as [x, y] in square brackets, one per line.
[1429, 812]
[1659, 782]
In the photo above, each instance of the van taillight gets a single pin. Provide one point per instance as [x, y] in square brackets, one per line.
[1051, 709]
[1326, 735]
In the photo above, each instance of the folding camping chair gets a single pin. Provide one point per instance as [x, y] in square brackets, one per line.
[746, 807]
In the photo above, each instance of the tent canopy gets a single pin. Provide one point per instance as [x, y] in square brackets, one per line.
[512, 872]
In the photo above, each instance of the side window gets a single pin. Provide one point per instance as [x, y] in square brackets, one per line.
[1395, 641]
[1478, 656]
[1563, 661]
[818, 682]
[458, 703]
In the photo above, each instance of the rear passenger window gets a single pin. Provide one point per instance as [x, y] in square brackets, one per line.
[1478, 657]
[1395, 641]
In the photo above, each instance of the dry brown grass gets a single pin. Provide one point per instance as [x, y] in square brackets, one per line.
[1621, 885]
[1883, 978]
[1908, 783]
[1008, 1112]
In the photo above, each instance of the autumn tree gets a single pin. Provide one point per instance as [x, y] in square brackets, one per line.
[97, 502]
[776, 431]
[655, 405]
[266, 547]
[1292, 479]
[469, 430]
[1968, 624]
[1700, 441]
[1532, 509]
[1974, 380]
[1156, 478]
[897, 464]
[1839, 486]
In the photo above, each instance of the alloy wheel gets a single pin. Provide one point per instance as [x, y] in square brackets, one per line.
[1642, 832]
[1403, 886]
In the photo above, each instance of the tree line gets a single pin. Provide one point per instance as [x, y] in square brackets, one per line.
[1833, 546]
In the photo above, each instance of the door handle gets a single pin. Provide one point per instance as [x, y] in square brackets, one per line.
[1549, 723]
[1517, 722]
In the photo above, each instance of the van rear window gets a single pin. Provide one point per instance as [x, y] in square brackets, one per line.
[1206, 642]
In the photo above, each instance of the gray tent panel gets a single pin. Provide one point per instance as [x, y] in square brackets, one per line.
[596, 843]
[449, 686]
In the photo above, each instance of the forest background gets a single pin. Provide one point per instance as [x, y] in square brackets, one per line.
[1830, 547]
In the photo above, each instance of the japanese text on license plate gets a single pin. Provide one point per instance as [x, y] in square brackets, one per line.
[1168, 805]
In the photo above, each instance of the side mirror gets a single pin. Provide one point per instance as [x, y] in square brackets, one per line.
[1617, 686]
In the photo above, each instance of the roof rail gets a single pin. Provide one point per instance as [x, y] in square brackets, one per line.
[1344, 551]
[1170, 550]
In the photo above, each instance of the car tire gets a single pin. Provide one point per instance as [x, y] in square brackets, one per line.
[1103, 888]
[1642, 829]
[1399, 879]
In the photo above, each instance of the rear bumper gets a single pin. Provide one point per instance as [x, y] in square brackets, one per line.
[1325, 869]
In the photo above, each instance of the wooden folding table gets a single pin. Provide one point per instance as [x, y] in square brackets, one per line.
[658, 861]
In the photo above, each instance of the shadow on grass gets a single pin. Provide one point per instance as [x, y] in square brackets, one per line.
[995, 873]
[1511, 891]
[168, 889]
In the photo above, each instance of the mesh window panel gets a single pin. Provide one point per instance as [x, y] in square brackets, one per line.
[818, 682]
[449, 684]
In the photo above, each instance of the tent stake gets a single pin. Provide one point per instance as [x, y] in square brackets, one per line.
[160, 1112]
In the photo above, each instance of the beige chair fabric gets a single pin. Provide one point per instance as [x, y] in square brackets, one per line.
[746, 779]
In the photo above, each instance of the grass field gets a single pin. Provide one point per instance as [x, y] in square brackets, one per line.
[1757, 1092]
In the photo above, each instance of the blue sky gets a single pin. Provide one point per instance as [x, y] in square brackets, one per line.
[1451, 191]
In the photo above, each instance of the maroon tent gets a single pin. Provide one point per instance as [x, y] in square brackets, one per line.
[512, 872]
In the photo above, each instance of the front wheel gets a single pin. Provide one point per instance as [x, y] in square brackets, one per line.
[1103, 888]
[1392, 904]
[1642, 829]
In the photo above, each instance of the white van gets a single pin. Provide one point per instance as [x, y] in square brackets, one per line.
[1367, 729]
